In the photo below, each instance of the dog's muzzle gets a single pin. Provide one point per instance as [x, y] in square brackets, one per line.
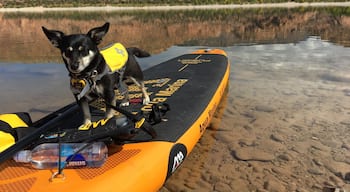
[74, 66]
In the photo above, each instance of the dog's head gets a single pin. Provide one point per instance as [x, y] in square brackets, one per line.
[78, 50]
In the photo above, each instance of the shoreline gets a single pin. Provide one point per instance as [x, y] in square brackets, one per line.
[177, 7]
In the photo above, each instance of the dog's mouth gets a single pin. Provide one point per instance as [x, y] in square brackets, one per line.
[74, 72]
[74, 67]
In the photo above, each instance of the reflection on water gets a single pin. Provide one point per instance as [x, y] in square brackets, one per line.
[157, 30]
[287, 98]
[312, 54]
[33, 87]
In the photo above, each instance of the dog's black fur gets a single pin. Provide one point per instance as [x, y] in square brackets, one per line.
[82, 58]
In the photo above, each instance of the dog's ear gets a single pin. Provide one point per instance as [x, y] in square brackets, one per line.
[96, 34]
[55, 37]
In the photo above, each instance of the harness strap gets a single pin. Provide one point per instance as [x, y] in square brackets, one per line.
[138, 119]
[85, 90]
[88, 83]
[98, 77]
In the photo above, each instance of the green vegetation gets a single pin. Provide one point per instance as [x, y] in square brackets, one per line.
[177, 16]
[76, 3]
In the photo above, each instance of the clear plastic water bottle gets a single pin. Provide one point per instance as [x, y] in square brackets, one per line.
[46, 156]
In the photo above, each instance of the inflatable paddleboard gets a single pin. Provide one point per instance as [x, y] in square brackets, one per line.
[191, 85]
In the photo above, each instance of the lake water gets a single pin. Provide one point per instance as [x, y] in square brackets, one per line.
[283, 125]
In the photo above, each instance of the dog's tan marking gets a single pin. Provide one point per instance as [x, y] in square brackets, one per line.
[85, 61]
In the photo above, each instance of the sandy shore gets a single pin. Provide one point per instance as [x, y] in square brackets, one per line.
[179, 7]
[284, 125]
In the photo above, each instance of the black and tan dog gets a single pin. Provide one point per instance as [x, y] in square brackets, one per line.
[92, 75]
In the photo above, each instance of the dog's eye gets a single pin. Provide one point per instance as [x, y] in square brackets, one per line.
[68, 52]
[80, 48]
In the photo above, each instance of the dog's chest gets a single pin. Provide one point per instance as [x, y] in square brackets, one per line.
[84, 88]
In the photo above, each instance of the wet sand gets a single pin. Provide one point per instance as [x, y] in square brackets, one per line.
[280, 128]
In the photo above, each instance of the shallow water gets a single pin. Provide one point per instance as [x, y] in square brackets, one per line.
[283, 125]
[41, 88]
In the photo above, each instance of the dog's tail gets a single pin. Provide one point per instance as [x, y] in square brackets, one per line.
[138, 52]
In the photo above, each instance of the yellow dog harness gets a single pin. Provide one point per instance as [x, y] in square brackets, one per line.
[115, 56]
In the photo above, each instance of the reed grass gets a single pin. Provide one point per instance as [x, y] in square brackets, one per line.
[79, 3]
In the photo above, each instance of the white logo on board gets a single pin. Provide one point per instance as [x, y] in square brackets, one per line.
[178, 159]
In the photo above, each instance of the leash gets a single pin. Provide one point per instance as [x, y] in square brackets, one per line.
[139, 120]
[83, 85]
[158, 112]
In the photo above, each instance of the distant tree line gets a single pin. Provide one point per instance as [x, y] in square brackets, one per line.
[75, 3]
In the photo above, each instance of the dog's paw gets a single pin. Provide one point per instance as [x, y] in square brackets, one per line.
[85, 126]
[125, 104]
[146, 100]
[109, 114]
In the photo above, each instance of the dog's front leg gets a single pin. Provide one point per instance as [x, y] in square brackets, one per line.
[123, 88]
[140, 84]
[146, 98]
[83, 103]
[110, 99]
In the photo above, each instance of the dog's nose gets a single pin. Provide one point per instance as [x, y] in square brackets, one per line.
[74, 66]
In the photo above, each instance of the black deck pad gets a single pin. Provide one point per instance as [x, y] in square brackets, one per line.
[186, 83]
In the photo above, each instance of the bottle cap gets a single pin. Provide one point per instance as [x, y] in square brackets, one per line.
[22, 156]
[99, 148]
[96, 147]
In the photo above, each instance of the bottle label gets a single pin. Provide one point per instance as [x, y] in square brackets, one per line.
[76, 160]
